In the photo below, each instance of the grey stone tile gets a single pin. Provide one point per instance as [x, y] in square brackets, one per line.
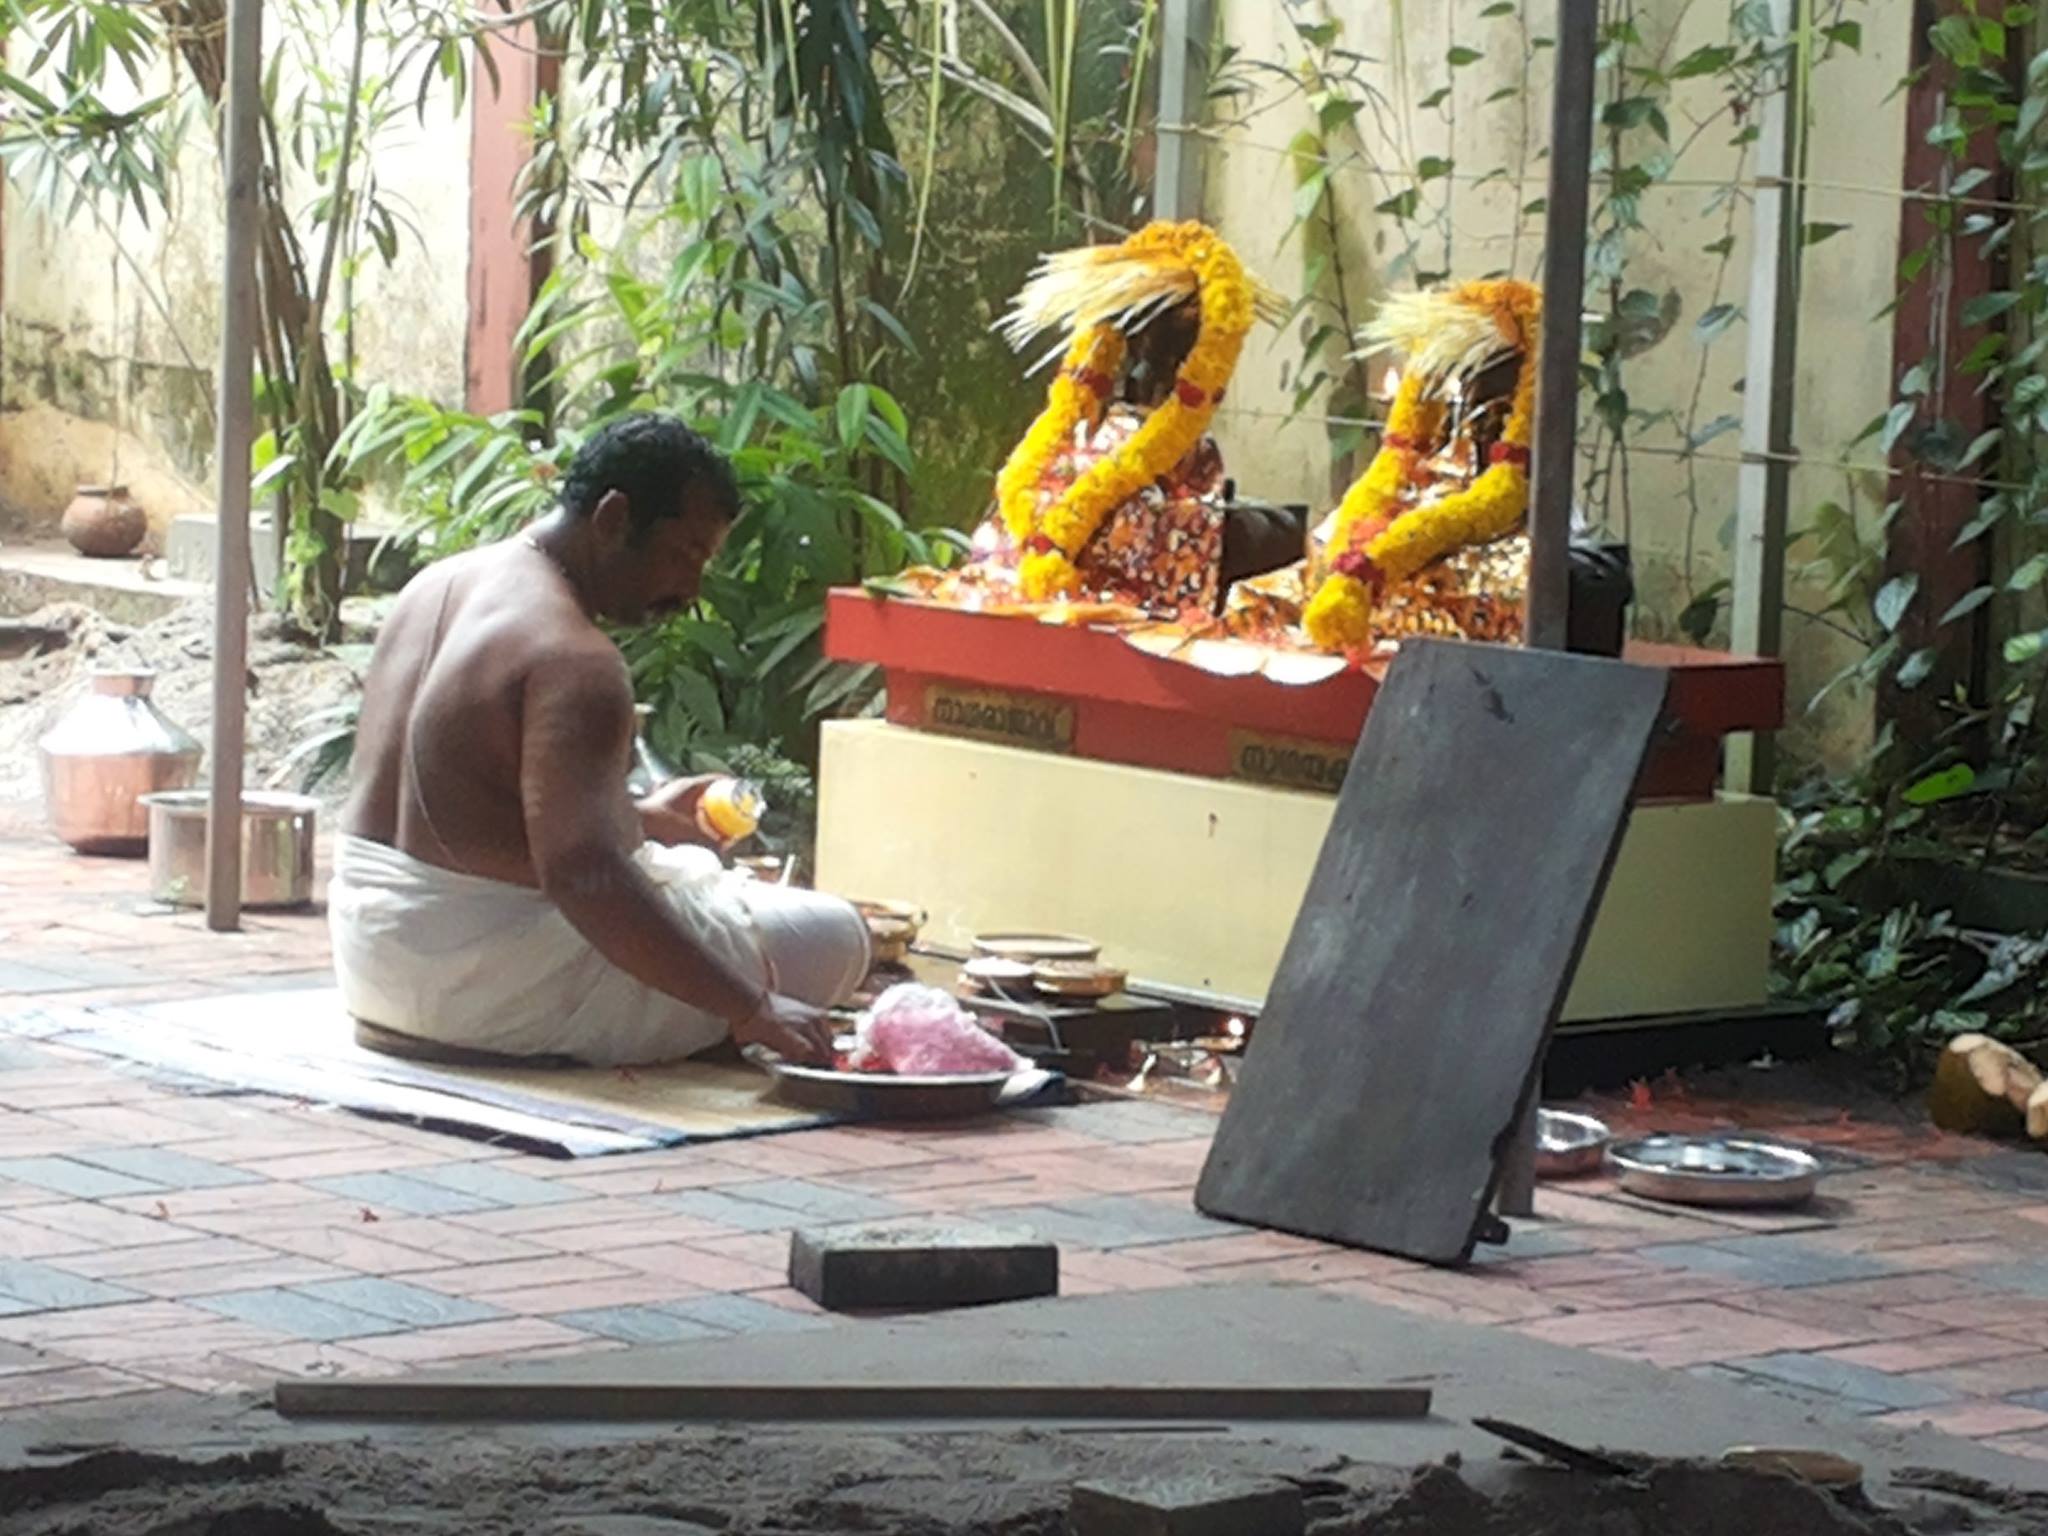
[741, 1215]
[2028, 1279]
[306, 1317]
[413, 1305]
[81, 1181]
[32, 1287]
[500, 1186]
[17, 1057]
[639, 1325]
[169, 1168]
[34, 980]
[1857, 1385]
[395, 1192]
[818, 1202]
[742, 1314]
[1772, 1261]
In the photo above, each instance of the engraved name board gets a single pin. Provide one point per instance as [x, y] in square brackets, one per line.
[1288, 763]
[1008, 719]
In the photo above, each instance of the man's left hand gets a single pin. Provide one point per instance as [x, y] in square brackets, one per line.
[669, 815]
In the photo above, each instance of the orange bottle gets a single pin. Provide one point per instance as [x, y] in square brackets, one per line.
[731, 809]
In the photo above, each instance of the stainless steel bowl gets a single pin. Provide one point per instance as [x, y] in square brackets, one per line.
[1569, 1146]
[277, 847]
[1715, 1170]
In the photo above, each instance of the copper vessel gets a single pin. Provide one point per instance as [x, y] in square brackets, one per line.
[103, 755]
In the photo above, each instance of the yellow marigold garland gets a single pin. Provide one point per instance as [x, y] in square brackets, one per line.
[1053, 538]
[1371, 546]
[1077, 393]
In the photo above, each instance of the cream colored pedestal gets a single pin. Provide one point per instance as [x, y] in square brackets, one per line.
[1194, 883]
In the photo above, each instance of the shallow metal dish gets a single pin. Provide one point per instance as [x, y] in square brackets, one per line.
[885, 1096]
[1033, 947]
[1569, 1146]
[1715, 1170]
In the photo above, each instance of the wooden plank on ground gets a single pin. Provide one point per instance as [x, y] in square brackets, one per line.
[1472, 841]
[627, 1400]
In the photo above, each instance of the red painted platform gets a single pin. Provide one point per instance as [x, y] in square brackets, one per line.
[1087, 692]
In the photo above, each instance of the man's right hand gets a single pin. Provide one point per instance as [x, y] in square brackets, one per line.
[795, 1031]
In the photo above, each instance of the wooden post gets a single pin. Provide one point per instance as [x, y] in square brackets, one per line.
[1553, 463]
[241, 109]
[508, 257]
[1185, 30]
[1763, 483]
[1927, 328]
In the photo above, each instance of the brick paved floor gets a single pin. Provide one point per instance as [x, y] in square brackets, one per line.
[154, 1238]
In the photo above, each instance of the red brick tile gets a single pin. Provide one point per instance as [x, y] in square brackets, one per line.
[1624, 1325]
[97, 1226]
[521, 1220]
[2032, 1446]
[259, 1224]
[481, 1280]
[182, 1205]
[611, 1236]
[1851, 1323]
[126, 1125]
[355, 1248]
[658, 1179]
[1482, 1295]
[1072, 1171]
[1900, 1290]
[191, 1341]
[1574, 1269]
[1085, 1272]
[2024, 1370]
[450, 1243]
[213, 1375]
[1403, 1301]
[1657, 1288]
[685, 1267]
[86, 1322]
[115, 1263]
[855, 1151]
[469, 1341]
[244, 1275]
[1235, 1248]
[778, 1157]
[1971, 1419]
[1707, 1346]
[1320, 1268]
[953, 1173]
[46, 1389]
[1926, 1353]
[369, 1157]
[1988, 1313]
[21, 1239]
[770, 1250]
[631, 1289]
[303, 1359]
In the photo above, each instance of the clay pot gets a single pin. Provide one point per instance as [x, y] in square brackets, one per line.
[104, 523]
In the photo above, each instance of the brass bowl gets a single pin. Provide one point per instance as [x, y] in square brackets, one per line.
[1078, 978]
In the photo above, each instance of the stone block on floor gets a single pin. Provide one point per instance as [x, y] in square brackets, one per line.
[26, 1286]
[1187, 1506]
[921, 1265]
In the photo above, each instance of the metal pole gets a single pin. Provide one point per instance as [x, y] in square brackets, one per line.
[1553, 464]
[1184, 32]
[1763, 483]
[1553, 467]
[242, 160]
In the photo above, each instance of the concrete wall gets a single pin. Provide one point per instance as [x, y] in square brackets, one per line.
[1675, 512]
[89, 341]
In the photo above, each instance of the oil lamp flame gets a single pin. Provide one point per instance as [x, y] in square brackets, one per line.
[1390, 385]
[1234, 1028]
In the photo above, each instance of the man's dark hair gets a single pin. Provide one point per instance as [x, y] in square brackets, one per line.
[653, 460]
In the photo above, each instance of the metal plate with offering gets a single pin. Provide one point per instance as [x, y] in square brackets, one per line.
[1716, 1170]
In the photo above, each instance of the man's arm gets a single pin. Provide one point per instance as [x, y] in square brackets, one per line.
[576, 734]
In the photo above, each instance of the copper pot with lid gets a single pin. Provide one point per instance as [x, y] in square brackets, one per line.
[104, 753]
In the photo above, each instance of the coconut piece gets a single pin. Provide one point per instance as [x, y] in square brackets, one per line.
[1982, 1087]
[2037, 1113]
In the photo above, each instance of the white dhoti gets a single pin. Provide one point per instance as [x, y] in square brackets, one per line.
[486, 966]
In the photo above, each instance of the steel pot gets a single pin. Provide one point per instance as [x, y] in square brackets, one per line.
[103, 755]
[277, 847]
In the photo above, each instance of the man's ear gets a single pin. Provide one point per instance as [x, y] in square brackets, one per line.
[612, 518]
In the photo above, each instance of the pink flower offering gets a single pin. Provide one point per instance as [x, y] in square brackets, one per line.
[918, 1031]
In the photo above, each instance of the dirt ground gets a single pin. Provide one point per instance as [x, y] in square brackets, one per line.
[792, 1483]
[289, 682]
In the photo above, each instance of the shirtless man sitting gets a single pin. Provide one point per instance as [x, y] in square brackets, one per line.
[496, 889]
